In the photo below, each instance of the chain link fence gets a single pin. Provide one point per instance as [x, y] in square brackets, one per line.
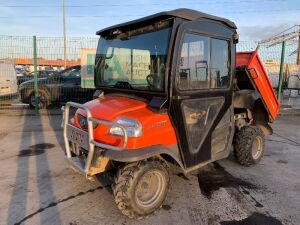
[271, 57]
[59, 81]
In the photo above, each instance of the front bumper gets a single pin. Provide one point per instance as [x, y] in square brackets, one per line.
[76, 138]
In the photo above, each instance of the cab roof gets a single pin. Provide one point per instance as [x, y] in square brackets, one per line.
[183, 13]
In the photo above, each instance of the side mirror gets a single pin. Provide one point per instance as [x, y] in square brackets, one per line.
[98, 94]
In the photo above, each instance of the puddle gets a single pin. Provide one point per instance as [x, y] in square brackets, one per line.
[30, 152]
[74, 223]
[181, 175]
[166, 207]
[37, 149]
[282, 161]
[254, 219]
[215, 177]
[42, 146]
[257, 203]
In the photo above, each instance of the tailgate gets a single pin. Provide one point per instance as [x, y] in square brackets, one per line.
[251, 62]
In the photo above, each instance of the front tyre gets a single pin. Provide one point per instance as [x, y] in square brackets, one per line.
[249, 145]
[141, 187]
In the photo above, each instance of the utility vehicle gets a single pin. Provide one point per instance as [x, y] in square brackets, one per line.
[170, 90]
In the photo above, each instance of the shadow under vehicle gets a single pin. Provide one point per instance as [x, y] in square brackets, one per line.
[56, 88]
[170, 90]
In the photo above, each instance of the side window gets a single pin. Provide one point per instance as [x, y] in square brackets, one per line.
[194, 68]
[196, 71]
[219, 63]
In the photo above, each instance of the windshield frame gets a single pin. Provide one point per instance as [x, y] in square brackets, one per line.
[164, 91]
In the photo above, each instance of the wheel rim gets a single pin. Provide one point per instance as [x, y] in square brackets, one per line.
[149, 189]
[257, 147]
[41, 100]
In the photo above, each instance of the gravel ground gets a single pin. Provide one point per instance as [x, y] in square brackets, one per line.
[37, 187]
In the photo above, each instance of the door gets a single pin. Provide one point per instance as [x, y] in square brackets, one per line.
[202, 91]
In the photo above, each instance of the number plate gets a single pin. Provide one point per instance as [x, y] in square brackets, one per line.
[78, 136]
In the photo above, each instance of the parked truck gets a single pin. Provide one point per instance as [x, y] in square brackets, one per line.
[171, 90]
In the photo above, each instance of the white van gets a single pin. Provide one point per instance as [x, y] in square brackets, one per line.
[8, 80]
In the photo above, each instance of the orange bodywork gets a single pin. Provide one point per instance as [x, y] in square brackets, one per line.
[156, 128]
[252, 63]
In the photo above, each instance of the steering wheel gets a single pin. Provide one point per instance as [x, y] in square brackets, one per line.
[150, 80]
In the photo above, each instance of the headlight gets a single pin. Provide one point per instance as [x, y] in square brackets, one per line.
[132, 127]
[83, 122]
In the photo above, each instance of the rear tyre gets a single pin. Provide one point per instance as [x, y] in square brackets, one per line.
[141, 187]
[249, 145]
[43, 99]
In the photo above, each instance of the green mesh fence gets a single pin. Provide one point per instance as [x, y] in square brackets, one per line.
[59, 80]
[62, 80]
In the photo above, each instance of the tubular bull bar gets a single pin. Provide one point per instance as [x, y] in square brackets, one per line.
[85, 139]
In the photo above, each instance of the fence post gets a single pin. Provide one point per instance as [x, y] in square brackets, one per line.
[281, 71]
[298, 52]
[36, 94]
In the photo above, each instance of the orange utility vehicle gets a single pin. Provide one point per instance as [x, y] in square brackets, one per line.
[171, 89]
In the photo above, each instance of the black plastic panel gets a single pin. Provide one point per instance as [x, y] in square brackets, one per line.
[195, 113]
[199, 115]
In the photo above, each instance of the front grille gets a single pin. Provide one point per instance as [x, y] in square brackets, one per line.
[82, 121]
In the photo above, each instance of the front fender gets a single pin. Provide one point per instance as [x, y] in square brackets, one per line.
[143, 153]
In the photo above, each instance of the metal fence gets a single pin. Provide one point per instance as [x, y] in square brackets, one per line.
[271, 56]
[59, 80]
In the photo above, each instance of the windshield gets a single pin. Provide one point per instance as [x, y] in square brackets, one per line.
[133, 60]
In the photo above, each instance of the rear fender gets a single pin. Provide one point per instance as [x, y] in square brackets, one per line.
[245, 98]
[252, 102]
[261, 117]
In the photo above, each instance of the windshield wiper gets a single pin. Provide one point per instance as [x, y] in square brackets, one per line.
[123, 85]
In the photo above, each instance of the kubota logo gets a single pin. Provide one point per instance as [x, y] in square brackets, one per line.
[158, 124]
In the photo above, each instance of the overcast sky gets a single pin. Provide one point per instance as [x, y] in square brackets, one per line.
[255, 19]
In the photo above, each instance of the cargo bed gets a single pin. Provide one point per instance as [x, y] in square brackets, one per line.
[251, 63]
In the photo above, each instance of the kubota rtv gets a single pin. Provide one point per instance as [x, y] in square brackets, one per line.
[170, 89]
